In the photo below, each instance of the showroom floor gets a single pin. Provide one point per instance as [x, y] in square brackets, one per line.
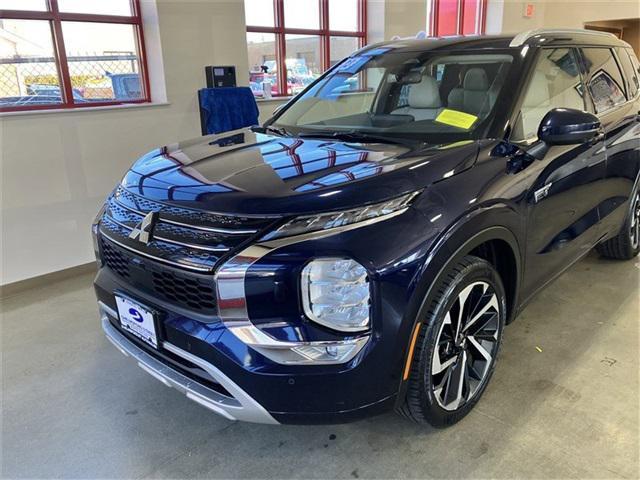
[564, 402]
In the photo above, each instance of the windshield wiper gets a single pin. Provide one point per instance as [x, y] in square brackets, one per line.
[357, 136]
[276, 130]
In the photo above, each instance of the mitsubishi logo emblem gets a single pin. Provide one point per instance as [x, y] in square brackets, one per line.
[143, 232]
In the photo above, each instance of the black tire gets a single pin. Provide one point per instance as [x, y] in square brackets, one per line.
[426, 397]
[625, 245]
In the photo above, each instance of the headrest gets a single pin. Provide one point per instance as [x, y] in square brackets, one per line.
[476, 80]
[538, 92]
[425, 94]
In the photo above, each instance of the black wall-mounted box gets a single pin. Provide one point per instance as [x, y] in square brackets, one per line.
[220, 76]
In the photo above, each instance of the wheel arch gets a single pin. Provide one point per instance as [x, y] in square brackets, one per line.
[497, 244]
[476, 235]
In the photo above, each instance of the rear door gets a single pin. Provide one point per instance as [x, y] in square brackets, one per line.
[565, 186]
[614, 86]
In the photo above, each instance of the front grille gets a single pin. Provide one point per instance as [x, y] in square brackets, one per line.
[192, 291]
[189, 216]
[177, 264]
[186, 238]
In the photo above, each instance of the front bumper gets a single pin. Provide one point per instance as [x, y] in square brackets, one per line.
[258, 319]
[238, 407]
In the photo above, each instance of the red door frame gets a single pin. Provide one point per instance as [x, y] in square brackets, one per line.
[435, 12]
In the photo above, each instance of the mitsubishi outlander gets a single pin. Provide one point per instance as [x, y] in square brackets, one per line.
[363, 250]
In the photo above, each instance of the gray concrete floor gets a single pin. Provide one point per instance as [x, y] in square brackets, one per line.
[73, 406]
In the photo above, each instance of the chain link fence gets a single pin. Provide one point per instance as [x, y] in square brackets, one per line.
[111, 76]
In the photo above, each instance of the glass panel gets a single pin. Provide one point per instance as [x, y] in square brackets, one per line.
[302, 14]
[343, 15]
[403, 99]
[263, 68]
[636, 68]
[97, 7]
[342, 47]
[30, 5]
[555, 83]
[259, 13]
[606, 85]
[447, 21]
[303, 61]
[28, 73]
[103, 62]
[630, 72]
[470, 12]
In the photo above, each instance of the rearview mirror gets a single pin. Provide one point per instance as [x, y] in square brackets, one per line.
[565, 126]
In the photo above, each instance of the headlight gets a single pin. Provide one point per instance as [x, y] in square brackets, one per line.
[325, 221]
[335, 293]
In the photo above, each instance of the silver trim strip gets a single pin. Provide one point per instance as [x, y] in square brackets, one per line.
[284, 352]
[187, 225]
[231, 297]
[167, 240]
[157, 259]
[241, 407]
[230, 277]
[522, 37]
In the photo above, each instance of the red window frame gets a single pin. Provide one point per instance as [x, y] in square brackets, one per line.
[435, 16]
[55, 18]
[325, 33]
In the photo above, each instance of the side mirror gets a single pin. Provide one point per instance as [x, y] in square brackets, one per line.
[565, 126]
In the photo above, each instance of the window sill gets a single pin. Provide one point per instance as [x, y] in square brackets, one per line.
[274, 99]
[19, 113]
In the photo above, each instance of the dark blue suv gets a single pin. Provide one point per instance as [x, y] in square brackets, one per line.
[364, 248]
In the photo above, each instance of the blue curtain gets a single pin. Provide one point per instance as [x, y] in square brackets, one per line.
[228, 108]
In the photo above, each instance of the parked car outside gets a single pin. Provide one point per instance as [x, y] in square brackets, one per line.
[365, 248]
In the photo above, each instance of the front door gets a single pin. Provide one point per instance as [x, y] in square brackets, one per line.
[566, 185]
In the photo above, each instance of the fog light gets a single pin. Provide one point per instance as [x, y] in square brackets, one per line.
[335, 293]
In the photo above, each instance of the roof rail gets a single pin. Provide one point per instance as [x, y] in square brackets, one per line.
[521, 38]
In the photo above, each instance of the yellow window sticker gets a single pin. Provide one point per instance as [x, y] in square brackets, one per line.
[456, 119]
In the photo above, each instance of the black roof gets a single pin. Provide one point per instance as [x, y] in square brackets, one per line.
[534, 38]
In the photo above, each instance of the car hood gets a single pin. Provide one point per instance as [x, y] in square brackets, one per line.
[249, 173]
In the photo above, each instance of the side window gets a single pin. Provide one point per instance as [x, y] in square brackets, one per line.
[555, 83]
[605, 79]
[631, 73]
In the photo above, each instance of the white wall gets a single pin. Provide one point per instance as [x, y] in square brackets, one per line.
[58, 167]
[404, 17]
[561, 13]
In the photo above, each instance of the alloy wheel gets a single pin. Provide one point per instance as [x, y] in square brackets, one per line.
[467, 343]
[634, 229]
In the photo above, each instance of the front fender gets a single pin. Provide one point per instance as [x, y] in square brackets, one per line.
[495, 222]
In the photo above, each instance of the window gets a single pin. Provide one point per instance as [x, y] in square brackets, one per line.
[555, 83]
[397, 95]
[71, 54]
[605, 79]
[633, 84]
[292, 42]
[455, 17]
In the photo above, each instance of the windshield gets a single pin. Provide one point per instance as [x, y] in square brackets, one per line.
[433, 97]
